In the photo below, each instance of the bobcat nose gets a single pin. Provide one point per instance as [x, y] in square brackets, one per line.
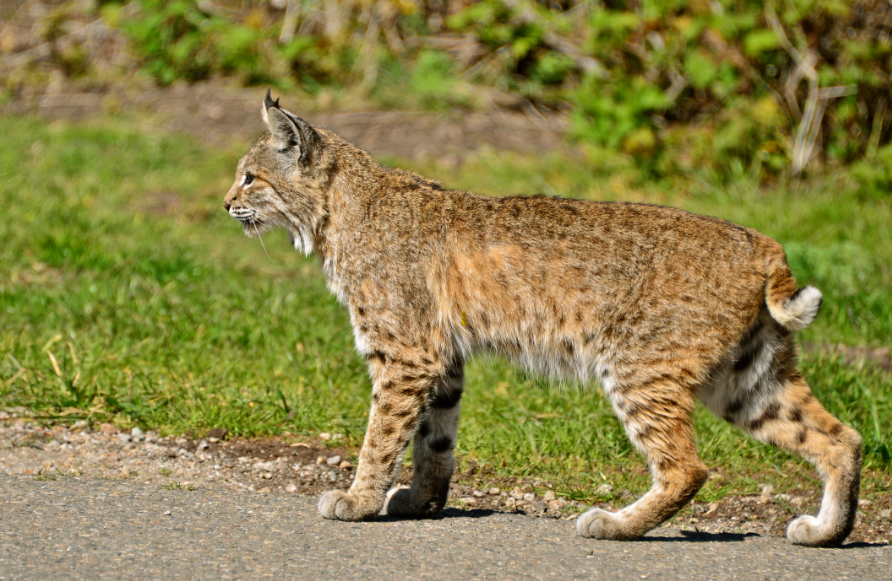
[226, 205]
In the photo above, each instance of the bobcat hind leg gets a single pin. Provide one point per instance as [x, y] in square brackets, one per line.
[658, 420]
[762, 392]
[795, 421]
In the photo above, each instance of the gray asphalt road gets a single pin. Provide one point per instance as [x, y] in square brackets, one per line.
[72, 528]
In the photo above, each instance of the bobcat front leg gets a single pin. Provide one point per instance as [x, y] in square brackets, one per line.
[398, 398]
[432, 455]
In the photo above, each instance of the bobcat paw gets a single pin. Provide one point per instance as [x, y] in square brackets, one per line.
[603, 525]
[338, 505]
[400, 502]
[809, 531]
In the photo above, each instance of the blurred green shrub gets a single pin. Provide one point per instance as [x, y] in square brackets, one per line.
[433, 80]
[722, 85]
[874, 176]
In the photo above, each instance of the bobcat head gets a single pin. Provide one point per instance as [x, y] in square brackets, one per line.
[283, 180]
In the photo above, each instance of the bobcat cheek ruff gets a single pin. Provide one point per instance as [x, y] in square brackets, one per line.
[659, 306]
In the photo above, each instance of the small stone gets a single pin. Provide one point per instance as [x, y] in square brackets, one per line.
[325, 436]
[864, 502]
[604, 490]
[557, 504]
[218, 433]
[332, 476]
[264, 466]
[333, 461]
[80, 425]
[529, 497]
[345, 465]
[123, 438]
[108, 429]
[765, 498]
[886, 513]
[137, 434]
[516, 494]
[213, 440]
[166, 513]
[203, 444]
[478, 494]
[468, 500]
[549, 496]
[494, 491]
[320, 460]
[267, 475]
[337, 436]
[291, 488]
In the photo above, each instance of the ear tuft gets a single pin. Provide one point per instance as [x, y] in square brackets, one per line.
[267, 103]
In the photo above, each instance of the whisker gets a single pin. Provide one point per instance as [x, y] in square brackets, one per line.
[254, 223]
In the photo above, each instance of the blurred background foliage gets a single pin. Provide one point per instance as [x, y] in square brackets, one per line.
[125, 298]
[725, 87]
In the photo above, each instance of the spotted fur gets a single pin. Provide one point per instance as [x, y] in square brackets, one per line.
[660, 306]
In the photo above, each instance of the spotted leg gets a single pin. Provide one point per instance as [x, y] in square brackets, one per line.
[657, 417]
[763, 393]
[432, 457]
[400, 393]
[794, 420]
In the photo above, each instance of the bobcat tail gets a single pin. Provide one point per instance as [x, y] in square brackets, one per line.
[793, 308]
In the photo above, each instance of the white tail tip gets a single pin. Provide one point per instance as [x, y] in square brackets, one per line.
[798, 311]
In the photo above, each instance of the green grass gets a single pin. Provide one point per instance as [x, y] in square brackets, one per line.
[173, 320]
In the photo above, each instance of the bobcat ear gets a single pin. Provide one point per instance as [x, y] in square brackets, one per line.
[292, 134]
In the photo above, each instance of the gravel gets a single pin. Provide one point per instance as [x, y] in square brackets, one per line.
[308, 468]
[28, 448]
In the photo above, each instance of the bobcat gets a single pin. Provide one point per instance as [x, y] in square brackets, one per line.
[658, 305]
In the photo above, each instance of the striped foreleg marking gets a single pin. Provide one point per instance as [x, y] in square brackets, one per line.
[398, 402]
[432, 456]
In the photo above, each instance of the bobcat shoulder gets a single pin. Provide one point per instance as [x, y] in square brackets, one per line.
[660, 306]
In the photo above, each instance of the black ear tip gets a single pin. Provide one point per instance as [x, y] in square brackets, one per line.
[268, 102]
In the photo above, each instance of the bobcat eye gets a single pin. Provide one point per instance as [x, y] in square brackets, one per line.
[248, 179]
